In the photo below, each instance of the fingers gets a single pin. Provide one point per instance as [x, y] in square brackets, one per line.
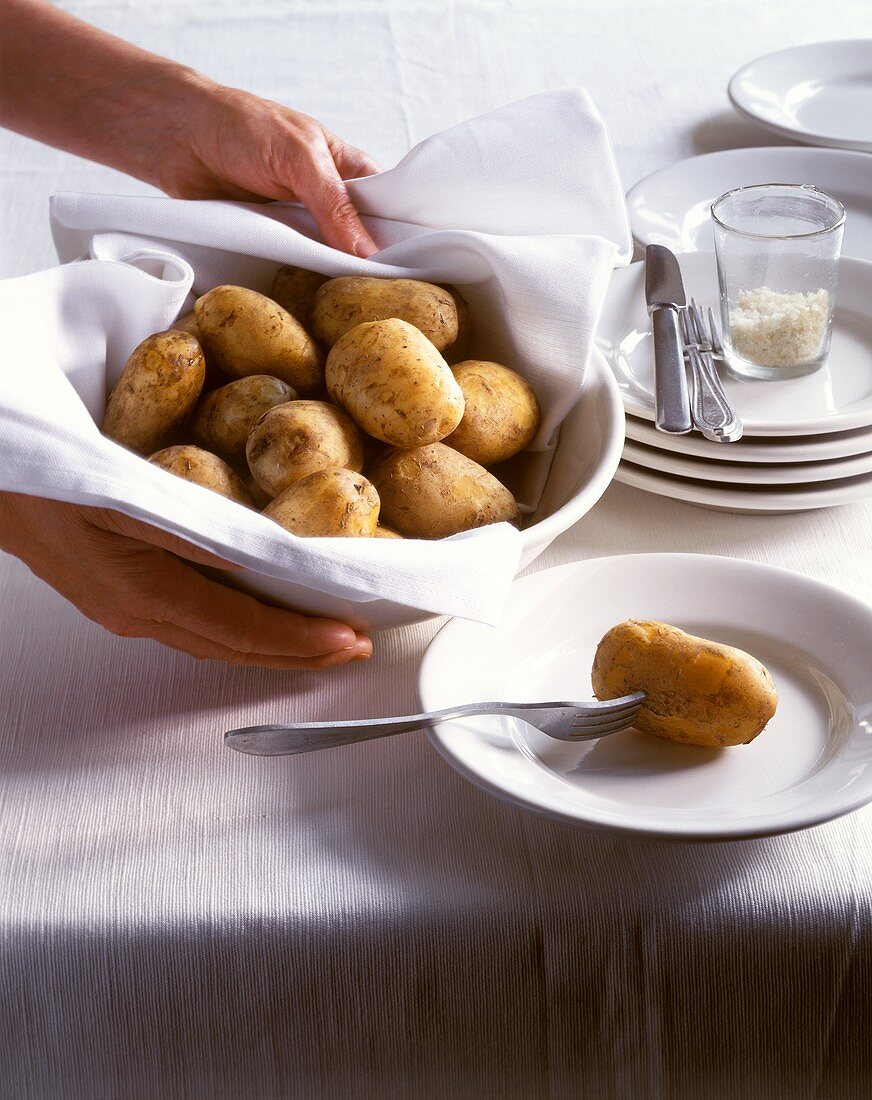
[350, 161]
[163, 598]
[172, 594]
[204, 649]
[116, 522]
[323, 190]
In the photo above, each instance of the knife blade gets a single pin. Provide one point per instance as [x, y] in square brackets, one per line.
[664, 293]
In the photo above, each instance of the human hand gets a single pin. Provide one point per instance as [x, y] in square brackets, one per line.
[75, 86]
[238, 146]
[134, 580]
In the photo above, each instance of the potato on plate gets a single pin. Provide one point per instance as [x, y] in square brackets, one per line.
[394, 383]
[434, 491]
[248, 333]
[156, 392]
[225, 417]
[699, 692]
[333, 503]
[297, 438]
[342, 304]
[202, 468]
[501, 412]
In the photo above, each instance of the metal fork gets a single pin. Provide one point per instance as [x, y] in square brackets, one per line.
[563, 721]
[712, 413]
[709, 342]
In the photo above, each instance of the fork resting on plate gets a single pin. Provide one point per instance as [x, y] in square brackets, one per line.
[564, 721]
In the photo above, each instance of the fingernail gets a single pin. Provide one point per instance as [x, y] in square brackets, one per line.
[365, 247]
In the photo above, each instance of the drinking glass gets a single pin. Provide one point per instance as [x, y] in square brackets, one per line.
[777, 247]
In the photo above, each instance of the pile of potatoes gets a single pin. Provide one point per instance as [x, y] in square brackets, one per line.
[329, 405]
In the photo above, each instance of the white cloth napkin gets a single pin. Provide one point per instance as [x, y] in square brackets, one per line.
[521, 208]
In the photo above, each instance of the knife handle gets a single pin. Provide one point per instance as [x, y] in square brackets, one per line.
[671, 401]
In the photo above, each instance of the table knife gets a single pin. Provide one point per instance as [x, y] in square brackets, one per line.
[664, 293]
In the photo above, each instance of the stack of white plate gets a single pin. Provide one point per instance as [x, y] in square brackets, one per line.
[807, 441]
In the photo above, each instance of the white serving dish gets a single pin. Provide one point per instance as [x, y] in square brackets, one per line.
[812, 763]
[747, 499]
[672, 206]
[820, 93]
[745, 473]
[585, 460]
[836, 398]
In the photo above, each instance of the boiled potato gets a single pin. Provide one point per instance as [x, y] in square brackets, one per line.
[699, 692]
[297, 438]
[294, 289]
[333, 503]
[225, 417]
[156, 392]
[432, 492]
[248, 333]
[194, 464]
[342, 304]
[394, 383]
[501, 413]
[187, 323]
[461, 348]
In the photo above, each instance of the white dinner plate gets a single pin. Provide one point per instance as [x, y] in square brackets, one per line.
[838, 397]
[672, 206]
[748, 499]
[798, 449]
[813, 762]
[745, 473]
[820, 93]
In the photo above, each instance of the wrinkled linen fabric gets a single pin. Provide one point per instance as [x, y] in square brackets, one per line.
[179, 921]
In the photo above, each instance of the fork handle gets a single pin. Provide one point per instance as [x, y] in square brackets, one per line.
[712, 411]
[290, 738]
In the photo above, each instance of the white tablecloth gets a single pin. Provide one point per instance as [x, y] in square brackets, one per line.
[181, 921]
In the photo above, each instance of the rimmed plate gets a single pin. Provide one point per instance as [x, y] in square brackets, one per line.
[812, 763]
[672, 205]
[838, 397]
[745, 473]
[798, 449]
[748, 499]
[820, 93]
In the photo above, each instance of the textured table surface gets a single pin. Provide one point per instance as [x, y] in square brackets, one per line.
[181, 921]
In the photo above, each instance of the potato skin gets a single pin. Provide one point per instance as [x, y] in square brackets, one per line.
[156, 392]
[394, 383]
[699, 692]
[225, 417]
[342, 304]
[333, 503]
[501, 412]
[187, 323]
[293, 440]
[433, 492]
[248, 333]
[194, 464]
[461, 348]
[294, 289]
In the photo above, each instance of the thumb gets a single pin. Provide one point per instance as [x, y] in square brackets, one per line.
[119, 524]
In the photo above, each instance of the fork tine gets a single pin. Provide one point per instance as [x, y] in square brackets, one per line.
[713, 332]
[698, 322]
[614, 724]
[683, 324]
[606, 708]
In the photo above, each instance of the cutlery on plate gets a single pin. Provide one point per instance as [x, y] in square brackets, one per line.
[712, 412]
[564, 721]
[664, 293]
